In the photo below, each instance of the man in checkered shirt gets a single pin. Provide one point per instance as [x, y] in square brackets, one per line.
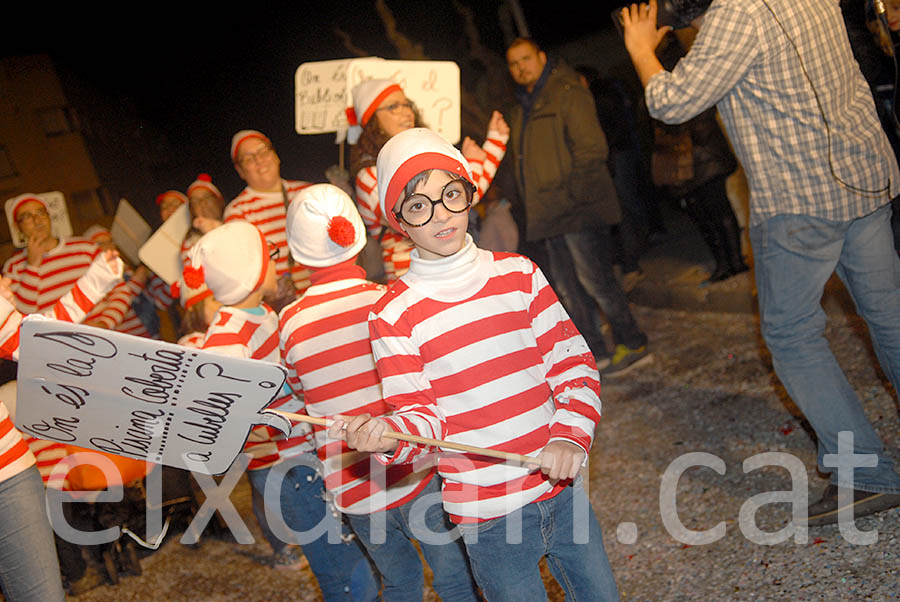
[822, 174]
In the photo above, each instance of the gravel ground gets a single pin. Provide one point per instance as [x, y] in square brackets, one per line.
[710, 389]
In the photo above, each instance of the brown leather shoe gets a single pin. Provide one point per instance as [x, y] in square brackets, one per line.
[863, 503]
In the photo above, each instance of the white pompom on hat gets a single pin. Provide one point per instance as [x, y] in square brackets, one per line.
[204, 181]
[232, 260]
[323, 226]
[366, 96]
[243, 136]
[408, 154]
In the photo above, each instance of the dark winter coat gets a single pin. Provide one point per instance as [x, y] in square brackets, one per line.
[559, 154]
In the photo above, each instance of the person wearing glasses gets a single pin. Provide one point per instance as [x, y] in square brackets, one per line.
[381, 110]
[264, 203]
[48, 266]
[473, 347]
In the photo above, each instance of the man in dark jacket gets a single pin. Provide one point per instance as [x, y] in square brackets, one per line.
[570, 203]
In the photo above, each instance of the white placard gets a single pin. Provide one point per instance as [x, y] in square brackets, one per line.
[137, 397]
[162, 251]
[322, 92]
[60, 226]
[432, 85]
[129, 230]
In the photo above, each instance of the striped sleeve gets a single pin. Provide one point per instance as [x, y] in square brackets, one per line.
[570, 367]
[484, 171]
[406, 389]
[367, 200]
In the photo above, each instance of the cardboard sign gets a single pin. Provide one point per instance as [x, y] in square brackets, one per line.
[140, 398]
[60, 226]
[162, 251]
[129, 230]
[322, 92]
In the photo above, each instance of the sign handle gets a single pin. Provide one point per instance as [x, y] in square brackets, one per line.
[481, 451]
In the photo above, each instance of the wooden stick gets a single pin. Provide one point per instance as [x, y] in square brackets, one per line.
[471, 449]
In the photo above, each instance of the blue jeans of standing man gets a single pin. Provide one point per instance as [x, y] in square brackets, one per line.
[505, 551]
[340, 566]
[28, 566]
[422, 519]
[795, 255]
[582, 275]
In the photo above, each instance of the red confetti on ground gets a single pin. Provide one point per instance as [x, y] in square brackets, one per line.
[786, 429]
[685, 546]
[818, 540]
[630, 556]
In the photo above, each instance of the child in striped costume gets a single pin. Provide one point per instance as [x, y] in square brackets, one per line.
[238, 265]
[474, 347]
[325, 345]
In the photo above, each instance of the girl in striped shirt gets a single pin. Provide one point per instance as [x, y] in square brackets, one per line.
[474, 347]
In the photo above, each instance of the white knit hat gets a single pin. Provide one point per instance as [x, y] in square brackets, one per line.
[408, 154]
[243, 136]
[94, 231]
[323, 226]
[204, 181]
[232, 259]
[366, 97]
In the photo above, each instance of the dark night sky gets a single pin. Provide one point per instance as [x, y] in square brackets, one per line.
[200, 74]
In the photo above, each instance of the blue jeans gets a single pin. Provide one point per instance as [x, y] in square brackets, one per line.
[505, 551]
[388, 537]
[340, 566]
[582, 275]
[29, 569]
[795, 255]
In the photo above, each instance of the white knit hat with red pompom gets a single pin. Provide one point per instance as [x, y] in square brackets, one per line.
[188, 295]
[408, 154]
[232, 260]
[204, 182]
[366, 96]
[323, 226]
[243, 136]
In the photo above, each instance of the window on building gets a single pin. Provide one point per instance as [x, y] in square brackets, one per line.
[57, 121]
[7, 169]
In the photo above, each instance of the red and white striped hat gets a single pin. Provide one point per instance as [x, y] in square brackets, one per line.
[323, 226]
[190, 296]
[366, 96]
[96, 231]
[204, 181]
[232, 260]
[242, 137]
[408, 154]
[21, 201]
[171, 193]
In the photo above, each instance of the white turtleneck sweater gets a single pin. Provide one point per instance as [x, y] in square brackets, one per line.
[475, 348]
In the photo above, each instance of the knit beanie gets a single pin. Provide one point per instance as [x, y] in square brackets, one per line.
[96, 231]
[232, 260]
[366, 97]
[243, 136]
[204, 181]
[17, 204]
[408, 154]
[323, 226]
[189, 296]
[171, 193]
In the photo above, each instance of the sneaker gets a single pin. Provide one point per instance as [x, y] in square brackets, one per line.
[863, 503]
[625, 359]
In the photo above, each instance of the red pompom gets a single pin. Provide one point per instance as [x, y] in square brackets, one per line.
[341, 231]
[351, 116]
[205, 177]
[175, 290]
[193, 277]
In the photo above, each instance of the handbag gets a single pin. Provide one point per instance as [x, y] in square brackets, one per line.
[672, 160]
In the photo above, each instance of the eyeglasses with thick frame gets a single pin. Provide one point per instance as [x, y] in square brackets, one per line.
[456, 197]
[395, 107]
[26, 216]
[262, 154]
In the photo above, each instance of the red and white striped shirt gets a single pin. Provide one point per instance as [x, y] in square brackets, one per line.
[395, 247]
[267, 211]
[325, 346]
[115, 311]
[36, 288]
[194, 340]
[253, 334]
[15, 455]
[475, 348]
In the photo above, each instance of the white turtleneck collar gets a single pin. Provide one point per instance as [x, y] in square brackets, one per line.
[452, 278]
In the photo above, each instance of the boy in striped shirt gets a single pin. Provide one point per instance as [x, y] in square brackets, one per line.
[238, 265]
[325, 345]
[473, 347]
